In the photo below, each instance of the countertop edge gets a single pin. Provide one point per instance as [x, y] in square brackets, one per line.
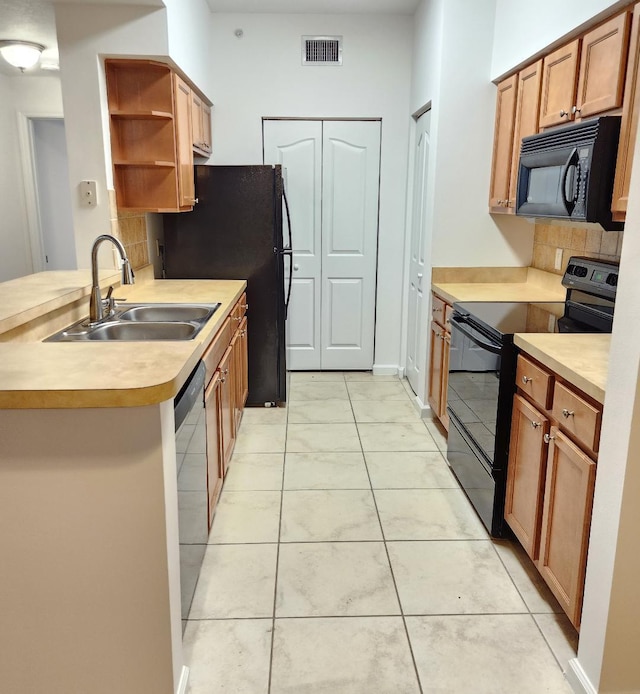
[564, 370]
[158, 389]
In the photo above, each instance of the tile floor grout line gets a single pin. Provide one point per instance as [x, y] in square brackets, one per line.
[393, 578]
[275, 582]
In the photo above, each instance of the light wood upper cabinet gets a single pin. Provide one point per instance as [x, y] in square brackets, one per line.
[559, 75]
[184, 151]
[516, 117]
[201, 125]
[566, 521]
[586, 77]
[629, 125]
[602, 67]
[526, 120]
[503, 144]
[150, 109]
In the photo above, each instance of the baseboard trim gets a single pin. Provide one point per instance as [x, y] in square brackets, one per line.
[577, 678]
[386, 370]
[184, 681]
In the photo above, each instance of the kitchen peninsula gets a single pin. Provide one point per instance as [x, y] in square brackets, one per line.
[90, 580]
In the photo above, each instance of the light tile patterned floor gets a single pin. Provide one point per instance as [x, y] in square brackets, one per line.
[344, 559]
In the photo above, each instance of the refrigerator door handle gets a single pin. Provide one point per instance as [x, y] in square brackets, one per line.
[288, 250]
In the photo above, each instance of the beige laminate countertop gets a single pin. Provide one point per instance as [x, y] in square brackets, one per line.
[30, 297]
[107, 374]
[582, 360]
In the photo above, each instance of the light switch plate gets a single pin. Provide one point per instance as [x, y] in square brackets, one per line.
[88, 193]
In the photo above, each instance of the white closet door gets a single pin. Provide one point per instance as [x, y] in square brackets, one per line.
[417, 338]
[351, 172]
[297, 145]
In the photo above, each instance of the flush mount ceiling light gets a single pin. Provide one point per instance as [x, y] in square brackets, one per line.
[21, 54]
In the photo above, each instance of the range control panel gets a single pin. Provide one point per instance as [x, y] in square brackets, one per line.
[599, 277]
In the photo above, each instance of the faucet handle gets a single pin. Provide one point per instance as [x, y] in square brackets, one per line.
[109, 302]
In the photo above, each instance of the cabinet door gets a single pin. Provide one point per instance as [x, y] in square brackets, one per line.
[227, 414]
[526, 119]
[184, 148]
[446, 349]
[243, 369]
[602, 67]
[559, 73]
[629, 125]
[206, 128]
[213, 405]
[566, 520]
[196, 121]
[236, 349]
[526, 474]
[436, 372]
[503, 145]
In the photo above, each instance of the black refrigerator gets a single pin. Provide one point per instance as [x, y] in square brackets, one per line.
[235, 231]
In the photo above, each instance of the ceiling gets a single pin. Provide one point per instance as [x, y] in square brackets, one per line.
[316, 6]
[33, 20]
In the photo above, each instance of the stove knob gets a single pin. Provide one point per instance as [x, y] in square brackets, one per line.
[571, 269]
[612, 279]
[580, 271]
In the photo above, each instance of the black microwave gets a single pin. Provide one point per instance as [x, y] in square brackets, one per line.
[567, 173]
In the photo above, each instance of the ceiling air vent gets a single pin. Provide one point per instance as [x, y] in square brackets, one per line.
[322, 50]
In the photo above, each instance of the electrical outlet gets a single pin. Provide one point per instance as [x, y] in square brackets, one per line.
[558, 263]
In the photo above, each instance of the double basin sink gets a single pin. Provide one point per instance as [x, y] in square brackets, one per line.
[139, 322]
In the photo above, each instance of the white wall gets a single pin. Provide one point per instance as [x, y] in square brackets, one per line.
[523, 27]
[188, 26]
[464, 234]
[427, 52]
[261, 75]
[85, 33]
[31, 96]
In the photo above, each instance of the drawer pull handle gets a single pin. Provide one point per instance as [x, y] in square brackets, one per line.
[535, 425]
[225, 372]
[245, 307]
[526, 379]
[548, 438]
[567, 413]
[437, 310]
[222, 379]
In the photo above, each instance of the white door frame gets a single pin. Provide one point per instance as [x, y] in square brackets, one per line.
[420, 399]
[34, 238]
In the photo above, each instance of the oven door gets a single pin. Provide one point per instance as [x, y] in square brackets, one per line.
[472, 403]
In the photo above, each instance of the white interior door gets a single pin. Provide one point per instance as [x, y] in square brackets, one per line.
[350, 185]
[297, 145]
[53, 196]
[416, 339]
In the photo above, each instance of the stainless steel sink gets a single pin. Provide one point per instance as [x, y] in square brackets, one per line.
[143, 331]
[139, 322]
[168, 312]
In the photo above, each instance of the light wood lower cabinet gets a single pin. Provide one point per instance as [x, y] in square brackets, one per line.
[213, 408]
[527, 469]
[226, 361]
[566, 521]
[551, 479]
[439, 347]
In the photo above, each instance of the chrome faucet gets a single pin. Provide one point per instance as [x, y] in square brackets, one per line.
[97, 305]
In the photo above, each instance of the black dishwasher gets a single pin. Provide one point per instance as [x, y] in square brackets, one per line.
[191, 467]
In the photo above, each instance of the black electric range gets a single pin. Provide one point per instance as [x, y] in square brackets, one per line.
[482, 368]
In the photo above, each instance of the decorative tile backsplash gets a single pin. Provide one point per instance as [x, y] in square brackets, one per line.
[593, 243]
[131, 229]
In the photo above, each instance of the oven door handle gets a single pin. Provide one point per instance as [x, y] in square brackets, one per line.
[492, 347]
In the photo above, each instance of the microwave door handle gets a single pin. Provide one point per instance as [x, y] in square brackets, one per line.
[569, 168]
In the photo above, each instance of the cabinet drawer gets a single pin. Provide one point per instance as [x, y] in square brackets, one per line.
[577, 417]
[438, 308]
[534, 381]
[239, 310]
[216, 349]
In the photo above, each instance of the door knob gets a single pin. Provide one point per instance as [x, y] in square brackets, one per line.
[548, 438]
[575, 109]
[296, 268]
[563, 113]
